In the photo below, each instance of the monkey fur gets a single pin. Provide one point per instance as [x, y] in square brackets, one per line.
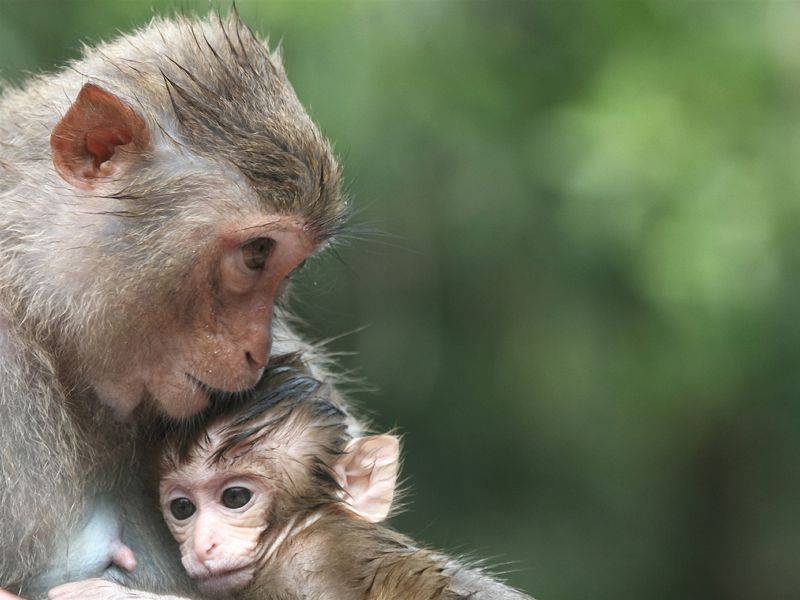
[290, 433]
[129, 184]
[109, 267]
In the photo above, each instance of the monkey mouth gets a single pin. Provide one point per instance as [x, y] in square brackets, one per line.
[203, 386]
[225, 581]
[213, 392]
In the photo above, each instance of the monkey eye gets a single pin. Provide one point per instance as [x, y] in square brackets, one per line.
[236, 497]
[181, 508]
[255, 252]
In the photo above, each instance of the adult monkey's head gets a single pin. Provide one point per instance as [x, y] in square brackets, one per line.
[187, 185]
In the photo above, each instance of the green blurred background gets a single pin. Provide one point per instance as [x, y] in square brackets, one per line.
[576, 255]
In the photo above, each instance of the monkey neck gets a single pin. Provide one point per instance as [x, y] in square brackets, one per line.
[336, 555]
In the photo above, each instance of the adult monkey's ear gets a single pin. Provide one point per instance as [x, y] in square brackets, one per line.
[368, 474]
[97, 137]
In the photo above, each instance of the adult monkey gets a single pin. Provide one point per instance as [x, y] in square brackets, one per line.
[155, 197]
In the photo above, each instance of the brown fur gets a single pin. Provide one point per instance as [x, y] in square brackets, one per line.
[343, 558]
[98, 283]
[290, 433]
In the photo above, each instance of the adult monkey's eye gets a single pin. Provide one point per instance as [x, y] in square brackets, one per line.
[255, 252]
[236, 497]
[181, 508]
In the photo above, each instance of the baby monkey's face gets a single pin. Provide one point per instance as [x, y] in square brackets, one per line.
[219, 499]
[218, 515]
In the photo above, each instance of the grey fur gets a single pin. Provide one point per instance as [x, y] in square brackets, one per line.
[90, 280]
[223, 115]
[81, 271]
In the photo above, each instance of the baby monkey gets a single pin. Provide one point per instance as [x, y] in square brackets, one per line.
[271, 500]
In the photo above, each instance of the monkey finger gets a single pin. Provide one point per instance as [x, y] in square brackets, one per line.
[4, 595]
[89, 589]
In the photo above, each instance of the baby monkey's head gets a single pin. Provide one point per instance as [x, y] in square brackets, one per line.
[250, 478]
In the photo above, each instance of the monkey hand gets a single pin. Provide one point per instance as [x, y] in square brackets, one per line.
[89, 589]
[100, 589]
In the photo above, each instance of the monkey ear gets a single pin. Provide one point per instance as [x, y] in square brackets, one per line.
[96, 137]
[368, 474]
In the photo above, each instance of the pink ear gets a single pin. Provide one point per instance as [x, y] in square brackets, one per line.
[85, 141]
[368, 473]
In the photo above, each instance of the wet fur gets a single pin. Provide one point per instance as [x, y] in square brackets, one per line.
[288, 431]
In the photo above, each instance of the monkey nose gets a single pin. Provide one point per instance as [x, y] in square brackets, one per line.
[255, 364]
[205, 551]
[256, 356]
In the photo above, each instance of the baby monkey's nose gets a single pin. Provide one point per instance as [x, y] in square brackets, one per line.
[205, 550]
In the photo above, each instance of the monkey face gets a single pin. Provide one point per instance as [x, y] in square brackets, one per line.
[215, 328]
[252, 481]
[201, 249]
[221, 339]
[230, 330]
[218, 519]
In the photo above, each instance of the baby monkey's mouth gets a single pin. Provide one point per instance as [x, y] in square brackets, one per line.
[225, 580]
[221, 573]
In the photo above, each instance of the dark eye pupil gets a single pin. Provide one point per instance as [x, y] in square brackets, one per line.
[236, 497]
[256, 252]
[181, 508]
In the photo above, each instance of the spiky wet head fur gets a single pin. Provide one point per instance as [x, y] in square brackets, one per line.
[312, 545]
[280, 443]
[229, 144]
[287, 427]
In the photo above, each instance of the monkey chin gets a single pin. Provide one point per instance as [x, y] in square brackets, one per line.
[177, 397]
[222, 585]
[181, 403]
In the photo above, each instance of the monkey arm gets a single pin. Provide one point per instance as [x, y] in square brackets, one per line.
[416, 573]
[402, 569]
[100, 589]
[341, 558]
[40, 486]
[477, 585]
[53, 452]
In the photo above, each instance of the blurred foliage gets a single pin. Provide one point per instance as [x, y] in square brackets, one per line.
[576, 257]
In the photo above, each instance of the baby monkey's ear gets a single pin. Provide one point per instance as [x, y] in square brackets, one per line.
[368, 473]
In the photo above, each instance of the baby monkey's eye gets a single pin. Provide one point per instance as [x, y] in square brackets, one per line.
[181, 508]
[255, 252]
[236, 497]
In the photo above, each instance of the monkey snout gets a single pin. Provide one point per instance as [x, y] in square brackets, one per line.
[253, 363]
[257, 346]
[256, 355]
[253, 368]
[205, 551]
